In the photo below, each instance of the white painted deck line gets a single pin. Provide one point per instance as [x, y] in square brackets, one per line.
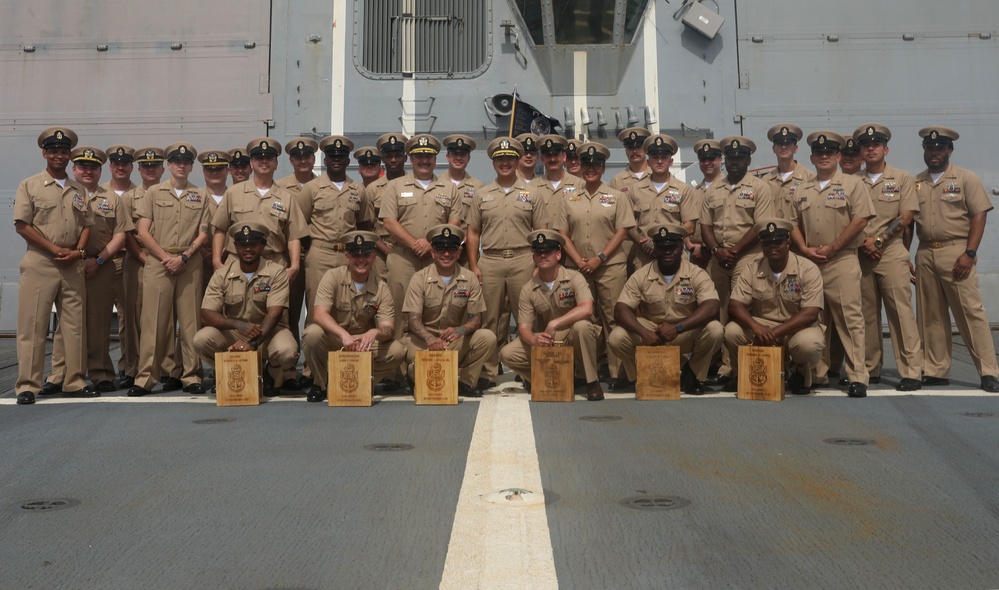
[492, 545]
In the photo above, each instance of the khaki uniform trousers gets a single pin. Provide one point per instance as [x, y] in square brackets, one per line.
[169, 366]
[936, 291]
[119, 304]
[722, 278]
[700, 343]
[168, 301]
[402, 264]
[318, 261]
[472, 354]
[804, 347]
[886, 281]
[606, 285]
[844, 311]
[100, 312]
[582, 337]
[42, 284]
[280, 351]
[502, 281]
[317, 344]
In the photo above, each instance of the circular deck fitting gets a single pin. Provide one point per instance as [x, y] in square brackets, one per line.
[45, 505]
[599, 418]
[850, 442]
[657, 503]
[214, 420]
[388, 447]
[978, 414]
[514, 497]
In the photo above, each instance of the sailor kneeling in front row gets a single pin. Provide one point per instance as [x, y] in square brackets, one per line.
[556, 307]
[444, 307]
[353, 311]
[669, 301]
[245, 307]
[776, 301]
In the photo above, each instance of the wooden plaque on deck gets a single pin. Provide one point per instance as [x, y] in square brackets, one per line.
[551, 374]
[237, 378]
[436, 377]
[349, 379]
[761, 373]
[658, 373]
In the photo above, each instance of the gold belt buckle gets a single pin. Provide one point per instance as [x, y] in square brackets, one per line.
[508, 253]
[338, 247]
[936, 245]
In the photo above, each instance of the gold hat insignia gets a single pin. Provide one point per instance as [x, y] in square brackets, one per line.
[446, 232]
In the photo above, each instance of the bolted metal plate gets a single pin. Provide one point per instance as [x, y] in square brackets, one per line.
[214, 420]
[850, 442]
[978, 414]
[656, 503]
[599, 418]
[388, 447]
[44, 505]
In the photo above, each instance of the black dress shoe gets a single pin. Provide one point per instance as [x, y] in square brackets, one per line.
[620, 384]
[172, 384]
[526, 385]
[194, 388]
[990, 384]
[292, 384]
[733, 385]
[25, 399]
[50, 389]
[844, 382]
[483, 384]
[390, 386]
[717, 380]
[796, 383]
[105, 386]
[126, 382]
[468, 391]
[927, 380]
[88, 391]
[908, 385]
[316, 394]
[693, 387]
[137, 391]
[594, 392]
[270, 391]
[857, 389]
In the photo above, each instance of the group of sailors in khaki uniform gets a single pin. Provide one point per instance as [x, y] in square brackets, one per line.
[406, 261]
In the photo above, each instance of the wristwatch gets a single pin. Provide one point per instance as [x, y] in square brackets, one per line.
[100, 261]
[602, 256]
[184, 257]
[971, 253]
[679, 328]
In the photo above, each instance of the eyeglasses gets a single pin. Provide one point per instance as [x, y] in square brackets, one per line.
[447, 249]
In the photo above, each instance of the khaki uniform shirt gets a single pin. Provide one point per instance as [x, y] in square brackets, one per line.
[783, 190]
[675, 203]
[466, 188]
[893, 193]
[652, 298]
[235, 297]
[59, 214]
[331, 212]
[947, 206]
[130, 201]
[356, 312]
[823, 214]
[540, 305]
[277, 210]
[776, 300]
[443, 307]
[553, 196]
[731, 211]
[374, 192]
[625, 179]
[291, 184]
[110, 218]
[592, 218]
[505, 218]
[177, 220]
[419, 209]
